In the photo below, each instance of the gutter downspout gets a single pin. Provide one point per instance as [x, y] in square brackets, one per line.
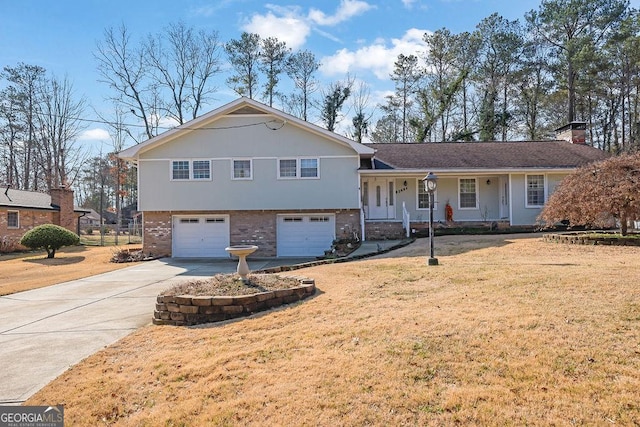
[78, 222]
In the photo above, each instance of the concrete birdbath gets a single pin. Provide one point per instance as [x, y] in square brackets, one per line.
[241, 251]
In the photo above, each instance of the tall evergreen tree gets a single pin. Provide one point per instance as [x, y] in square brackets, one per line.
[301, 67]
[406, 75]
[570, 26]
[273, 59]
[244, 55]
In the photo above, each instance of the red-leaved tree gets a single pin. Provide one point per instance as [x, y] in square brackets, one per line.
[597, 194]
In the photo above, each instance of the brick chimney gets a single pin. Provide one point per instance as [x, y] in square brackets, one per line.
[62, 198]
[574, 132]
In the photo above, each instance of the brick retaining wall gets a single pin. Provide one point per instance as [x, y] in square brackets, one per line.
[583, 239]
[186, 310]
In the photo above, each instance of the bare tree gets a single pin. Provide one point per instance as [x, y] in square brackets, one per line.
[168, 75]
[122, 66]
[361, 115]
[59, 125]
[183, 61]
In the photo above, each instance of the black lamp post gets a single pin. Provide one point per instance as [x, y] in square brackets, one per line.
[431, 183]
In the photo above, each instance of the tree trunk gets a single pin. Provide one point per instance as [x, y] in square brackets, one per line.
[571, 88]
[623, 223]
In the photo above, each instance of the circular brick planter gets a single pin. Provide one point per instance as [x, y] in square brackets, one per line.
[186, 310]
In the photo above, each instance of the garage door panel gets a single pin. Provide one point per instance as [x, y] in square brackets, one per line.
[305, 235]
[204, 237]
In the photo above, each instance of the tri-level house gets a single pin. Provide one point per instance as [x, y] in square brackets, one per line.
[246, 173]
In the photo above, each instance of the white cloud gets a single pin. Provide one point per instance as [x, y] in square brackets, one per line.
[289, 27]
[377, 58]
[95, 134]
[289, 23]
[346, 10]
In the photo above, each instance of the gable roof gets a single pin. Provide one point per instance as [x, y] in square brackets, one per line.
[484, 155]
[241, 106]
[25, 199]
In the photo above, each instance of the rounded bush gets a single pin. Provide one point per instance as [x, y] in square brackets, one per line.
[49, 237]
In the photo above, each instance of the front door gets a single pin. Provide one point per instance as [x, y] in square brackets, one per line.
[380, 198]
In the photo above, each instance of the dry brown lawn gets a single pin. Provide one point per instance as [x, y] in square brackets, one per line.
[508, 330]
[21, 272]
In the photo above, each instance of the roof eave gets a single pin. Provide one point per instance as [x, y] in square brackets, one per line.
[458, 171]
[133, 153]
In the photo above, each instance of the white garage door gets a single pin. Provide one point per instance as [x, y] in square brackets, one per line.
[305, 235]
[200, 236]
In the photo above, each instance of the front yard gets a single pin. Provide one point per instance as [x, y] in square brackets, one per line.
[508, 330]
[24, 271]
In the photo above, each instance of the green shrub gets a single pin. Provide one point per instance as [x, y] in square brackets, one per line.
[49, 237]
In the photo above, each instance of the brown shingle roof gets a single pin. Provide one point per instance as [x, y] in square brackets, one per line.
[25, 199]
[486, 155]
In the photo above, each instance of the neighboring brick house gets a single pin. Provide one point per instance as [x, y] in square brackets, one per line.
[21, 210]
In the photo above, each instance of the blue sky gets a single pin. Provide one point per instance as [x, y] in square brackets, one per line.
[362, 38]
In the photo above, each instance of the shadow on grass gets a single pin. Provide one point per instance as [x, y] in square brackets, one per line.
[457, 244]
[56, 261]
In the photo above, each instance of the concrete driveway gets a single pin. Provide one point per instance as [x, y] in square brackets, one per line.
[45, 331]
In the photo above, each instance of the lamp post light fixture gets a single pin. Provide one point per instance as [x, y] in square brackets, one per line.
[430, 184]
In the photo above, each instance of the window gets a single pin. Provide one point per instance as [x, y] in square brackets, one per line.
[391, 193]
[180, 169]
[288, 168]
[468, 193]
[365, 194]
[423, 196]
[201, 169]
[309, 168]
[292, 219]
[242, 169]
[535, 190]
[184, 170]
[13, 219]
[298, 168]
[214, 220]
[189, 220]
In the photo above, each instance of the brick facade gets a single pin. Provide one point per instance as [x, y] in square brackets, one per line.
[156, 236]
[246, 228]
[29, 218]
[384, 230]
